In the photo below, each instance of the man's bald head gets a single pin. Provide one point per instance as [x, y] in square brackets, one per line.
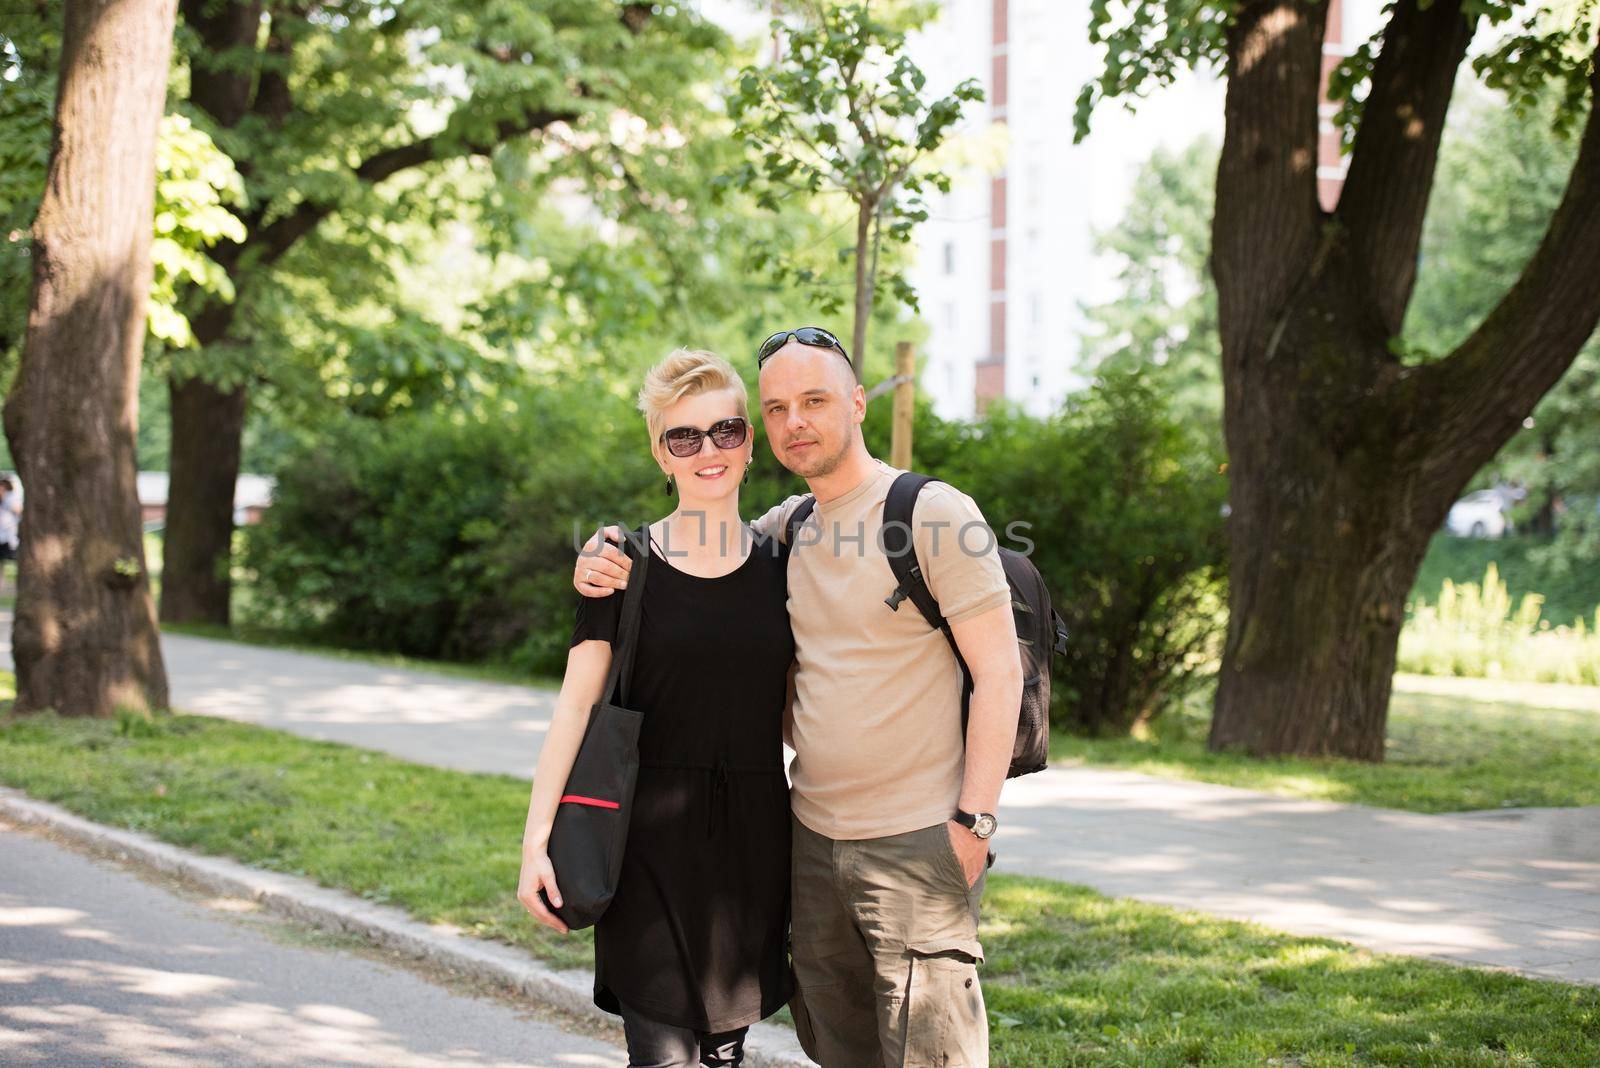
[812, 406]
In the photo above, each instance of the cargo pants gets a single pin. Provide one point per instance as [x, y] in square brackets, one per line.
[885, 937]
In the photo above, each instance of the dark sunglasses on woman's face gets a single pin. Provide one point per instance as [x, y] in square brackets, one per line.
[685, 441]
[814, 336]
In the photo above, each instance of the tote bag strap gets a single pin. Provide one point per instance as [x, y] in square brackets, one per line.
[621, 671]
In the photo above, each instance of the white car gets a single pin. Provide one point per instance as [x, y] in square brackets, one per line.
[1479, 515]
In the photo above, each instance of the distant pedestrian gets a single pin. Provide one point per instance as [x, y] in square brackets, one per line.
[10, 522]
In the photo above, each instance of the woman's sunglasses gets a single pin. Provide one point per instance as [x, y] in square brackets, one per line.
[814, 336]
[684, 441]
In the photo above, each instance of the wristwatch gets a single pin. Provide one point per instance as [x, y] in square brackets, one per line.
[981, 824]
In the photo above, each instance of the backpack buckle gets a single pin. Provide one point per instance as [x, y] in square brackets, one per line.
[894, 599]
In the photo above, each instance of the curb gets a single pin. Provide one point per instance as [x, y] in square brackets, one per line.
[768, 1045]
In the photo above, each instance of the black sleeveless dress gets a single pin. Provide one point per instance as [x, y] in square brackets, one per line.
[697, 933]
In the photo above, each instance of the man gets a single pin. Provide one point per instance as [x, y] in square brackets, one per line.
[889, 799]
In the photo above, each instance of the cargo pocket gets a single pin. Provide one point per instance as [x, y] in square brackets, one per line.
[946, 1025]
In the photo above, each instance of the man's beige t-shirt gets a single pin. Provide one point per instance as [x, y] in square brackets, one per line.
[877, 710]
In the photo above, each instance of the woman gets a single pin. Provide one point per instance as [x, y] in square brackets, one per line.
[693, 947]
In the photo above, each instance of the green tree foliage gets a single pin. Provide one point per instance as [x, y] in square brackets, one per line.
[377, 129]
[1501, 177]
[401, 248]
[844, 109]
[197, 192]
[1121, 499]
[1146, 46]
[28, 43]
[1163, 324]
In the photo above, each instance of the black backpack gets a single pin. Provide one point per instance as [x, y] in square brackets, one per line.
[1040, 629]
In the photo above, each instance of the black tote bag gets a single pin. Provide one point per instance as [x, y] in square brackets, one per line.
[591, 824]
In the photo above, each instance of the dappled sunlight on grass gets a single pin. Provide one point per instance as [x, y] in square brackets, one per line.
[1075, 978]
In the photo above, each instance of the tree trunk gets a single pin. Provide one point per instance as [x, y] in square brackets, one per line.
[85, 638]
[864, 286]
[208, 420]
[207, 432]
[1543, 520]
[1328, 524]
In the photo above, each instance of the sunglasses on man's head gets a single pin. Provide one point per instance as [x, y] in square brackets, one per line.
[684, 441]
[814, 336]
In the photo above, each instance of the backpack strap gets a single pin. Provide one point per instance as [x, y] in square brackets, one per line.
[910, 584]
[797, 518]
[897, 545]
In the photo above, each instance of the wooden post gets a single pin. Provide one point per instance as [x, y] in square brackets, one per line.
[905, 394]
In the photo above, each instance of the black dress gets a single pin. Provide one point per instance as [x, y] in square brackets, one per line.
[696, 935]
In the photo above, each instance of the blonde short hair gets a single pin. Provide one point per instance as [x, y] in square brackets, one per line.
[686, 373]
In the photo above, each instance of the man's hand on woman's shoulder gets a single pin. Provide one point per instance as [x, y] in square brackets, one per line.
[602, 566]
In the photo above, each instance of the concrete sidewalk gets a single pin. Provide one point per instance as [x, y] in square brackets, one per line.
[1517, 889]
[107, 964]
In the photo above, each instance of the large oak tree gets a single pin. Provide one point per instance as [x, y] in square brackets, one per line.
[1346, 451]
[85, 638]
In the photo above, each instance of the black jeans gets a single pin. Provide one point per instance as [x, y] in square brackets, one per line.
[658, 1045]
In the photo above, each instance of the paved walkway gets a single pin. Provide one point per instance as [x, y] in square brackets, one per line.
[100, 966]
[1508, 888]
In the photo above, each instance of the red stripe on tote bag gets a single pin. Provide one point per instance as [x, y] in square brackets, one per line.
[579, 799]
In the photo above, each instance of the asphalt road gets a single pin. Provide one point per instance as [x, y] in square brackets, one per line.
[105, 966]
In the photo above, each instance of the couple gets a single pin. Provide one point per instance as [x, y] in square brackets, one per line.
[747, 641]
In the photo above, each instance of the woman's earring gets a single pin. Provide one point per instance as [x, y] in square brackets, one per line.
[669, 486]
[747, 464]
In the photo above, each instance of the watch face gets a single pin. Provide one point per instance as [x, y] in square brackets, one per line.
[984, 826]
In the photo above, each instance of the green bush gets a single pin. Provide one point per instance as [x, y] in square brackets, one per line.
[1123, 506]
[447, 534]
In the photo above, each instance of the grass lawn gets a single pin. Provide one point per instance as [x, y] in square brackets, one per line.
[1444, 754]
[1072, 978]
